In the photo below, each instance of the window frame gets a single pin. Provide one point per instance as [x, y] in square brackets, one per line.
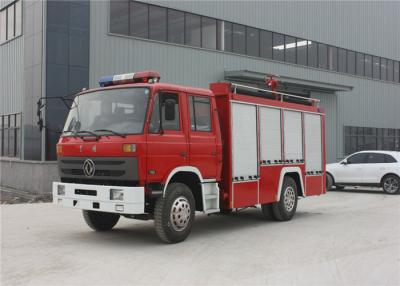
[193, 96]
[157, 95]
[5, 10]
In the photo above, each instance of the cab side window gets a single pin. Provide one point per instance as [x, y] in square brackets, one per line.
[169, 113]
[200, 113]
[357, 159]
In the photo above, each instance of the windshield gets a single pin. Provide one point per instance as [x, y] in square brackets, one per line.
[121, 111]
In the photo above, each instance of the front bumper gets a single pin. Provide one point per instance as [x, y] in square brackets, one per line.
[97, 198]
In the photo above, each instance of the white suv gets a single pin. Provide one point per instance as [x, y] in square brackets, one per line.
[366, 168]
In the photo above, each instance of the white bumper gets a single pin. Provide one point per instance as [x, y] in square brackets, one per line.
[97, 198]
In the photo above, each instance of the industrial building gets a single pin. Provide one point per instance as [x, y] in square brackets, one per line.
[344, 53]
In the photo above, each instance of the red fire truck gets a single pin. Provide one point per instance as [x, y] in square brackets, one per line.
[142, 149]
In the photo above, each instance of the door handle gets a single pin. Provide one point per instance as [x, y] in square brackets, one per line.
[183, 154]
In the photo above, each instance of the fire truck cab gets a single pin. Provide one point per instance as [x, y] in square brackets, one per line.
[142, 149]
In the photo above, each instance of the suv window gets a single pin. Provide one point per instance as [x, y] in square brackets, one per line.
[160, 100]
[390, 159]
[200, 116]
[357, 159]
[375, 158]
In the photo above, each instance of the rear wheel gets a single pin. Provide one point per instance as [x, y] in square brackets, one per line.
[391, 184]
[174, 213]
[285, 208]
[100, 221]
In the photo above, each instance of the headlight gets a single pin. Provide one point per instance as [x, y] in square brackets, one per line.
[116, 194]
[61, 190]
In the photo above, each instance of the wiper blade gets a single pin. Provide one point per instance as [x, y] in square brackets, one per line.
[81, 132]
[111, 131]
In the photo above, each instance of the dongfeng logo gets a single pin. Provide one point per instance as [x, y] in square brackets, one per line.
[88, 168]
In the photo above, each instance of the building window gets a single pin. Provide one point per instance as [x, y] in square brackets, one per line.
[360, 64]
[312, 54]
[10, 135]
[119, 17]
[239, 39]
[301, 56]
[389, 70]
[158, 23]
[376, 73]
[253, 42]
[139, 20]
[176, 27]
[148, 21]
[351, 62]
[342, 60]
[200, 113]
[192, 30]
[383, 69]
[368, 65]
[208, 33]
[11, 21]
[368, 138]
[278, 47]
[396, 71]
[266, 44]
[290, 49]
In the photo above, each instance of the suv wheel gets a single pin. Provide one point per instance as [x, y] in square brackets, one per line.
[391, 184]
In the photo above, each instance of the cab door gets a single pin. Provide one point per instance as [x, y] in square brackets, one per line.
[167, 146]
[202, 136]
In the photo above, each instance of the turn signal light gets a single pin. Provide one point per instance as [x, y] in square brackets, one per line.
[59, 150]
[129, 148]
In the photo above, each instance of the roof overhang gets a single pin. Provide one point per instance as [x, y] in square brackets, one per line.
[285, 82]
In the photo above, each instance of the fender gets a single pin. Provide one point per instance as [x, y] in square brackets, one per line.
[183, 169]
[284, 171]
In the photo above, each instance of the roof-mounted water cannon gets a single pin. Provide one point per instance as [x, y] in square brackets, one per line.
[129, 78]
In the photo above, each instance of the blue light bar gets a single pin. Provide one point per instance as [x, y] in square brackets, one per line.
[106, 80]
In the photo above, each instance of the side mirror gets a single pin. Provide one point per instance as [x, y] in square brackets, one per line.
[169, 109]
[344, 162]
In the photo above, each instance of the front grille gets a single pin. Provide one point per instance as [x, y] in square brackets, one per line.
[106, 169]
[101, 182]
[103, 173]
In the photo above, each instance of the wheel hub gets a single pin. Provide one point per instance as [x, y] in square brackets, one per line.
[391, 185]
[180, 214]
[289, 198]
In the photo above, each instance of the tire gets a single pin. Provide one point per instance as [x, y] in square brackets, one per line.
[177, 203]
[391, 184]
[329, 182]
[285, 208]
[267, 211]
[100, 221]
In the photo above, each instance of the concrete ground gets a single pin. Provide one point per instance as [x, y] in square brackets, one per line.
[343, 238]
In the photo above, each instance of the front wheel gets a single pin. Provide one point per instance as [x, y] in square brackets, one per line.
[285, 208]
[100, 221]
[391, 184]
[174, 213]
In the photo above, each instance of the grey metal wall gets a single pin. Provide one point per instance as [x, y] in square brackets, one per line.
[366, 27]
